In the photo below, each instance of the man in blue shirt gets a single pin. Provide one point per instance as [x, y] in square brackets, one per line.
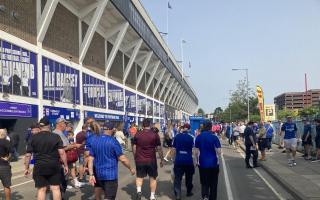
[105, 151]
[290, 140]
[208, 148]
[182, 149]
[251, 145]
[269, 134]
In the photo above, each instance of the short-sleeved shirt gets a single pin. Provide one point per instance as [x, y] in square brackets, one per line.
[64, 139]
[146, 142]
[106, 150]
[307, 129]
[183, 143]
[44, 147]
[208, 143]
[247, 133]
[5, 150]
[290, 130]
[269, 130]
[81, 139]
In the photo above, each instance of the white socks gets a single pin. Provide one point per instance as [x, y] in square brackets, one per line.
[152, 196]
[138, 189]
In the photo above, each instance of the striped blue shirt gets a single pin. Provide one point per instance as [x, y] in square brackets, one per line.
[106, 151]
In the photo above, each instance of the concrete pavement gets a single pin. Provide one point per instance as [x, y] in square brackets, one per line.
[303, 180]
[241, 182]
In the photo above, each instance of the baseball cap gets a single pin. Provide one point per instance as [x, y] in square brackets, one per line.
[60, 120]
[44, 121]
[186, 126]
[108, 126]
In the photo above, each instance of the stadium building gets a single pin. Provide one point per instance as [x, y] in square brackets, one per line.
[80, 58]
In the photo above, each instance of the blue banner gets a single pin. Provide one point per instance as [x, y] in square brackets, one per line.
[54, 113]
[10, 109]
[115, 97]
[141, 105]
[130, 101]
[94, 91]
[103, 116]
[18, 70]
[149, 107]
[60, 82]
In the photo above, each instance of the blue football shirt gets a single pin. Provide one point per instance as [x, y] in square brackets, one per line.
[183, 143]
[290, 130]
[105, 150]
[207, 143]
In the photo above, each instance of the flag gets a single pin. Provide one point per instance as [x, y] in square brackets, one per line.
[260, 102]
[169, 6]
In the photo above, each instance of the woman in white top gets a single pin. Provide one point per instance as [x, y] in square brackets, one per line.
[119, 135]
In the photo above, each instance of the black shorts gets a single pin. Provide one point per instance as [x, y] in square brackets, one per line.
[169, 142]
[109, 187]
[47, 180]
[144, 170]
[5, 175]
[308, 142]
[235, 137]
[263, 144]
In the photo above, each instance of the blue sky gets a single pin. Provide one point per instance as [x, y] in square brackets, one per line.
[278, 40]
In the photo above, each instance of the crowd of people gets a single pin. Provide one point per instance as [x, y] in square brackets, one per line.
[62, 160]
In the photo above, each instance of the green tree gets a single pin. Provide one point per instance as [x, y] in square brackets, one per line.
[309, 112]
[283, 114]
[201, 112]
[238, 106]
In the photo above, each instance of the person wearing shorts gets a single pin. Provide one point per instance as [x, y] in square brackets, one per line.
[47, 150]
[289, 129]
[145, 145]
[105, 152]
[5, 168]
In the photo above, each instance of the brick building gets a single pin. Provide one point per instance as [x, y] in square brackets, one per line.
[298, 100]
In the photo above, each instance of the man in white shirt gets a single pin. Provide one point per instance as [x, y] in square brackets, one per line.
[120, 137]
[242, 128]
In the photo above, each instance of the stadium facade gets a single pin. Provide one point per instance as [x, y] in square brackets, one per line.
[80, 58]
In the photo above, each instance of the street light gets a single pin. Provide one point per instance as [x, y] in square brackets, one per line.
[247, 76]
[181, 48]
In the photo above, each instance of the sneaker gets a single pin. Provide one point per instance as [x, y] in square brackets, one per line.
[205, 198]
[294, 163]
[138, 196]
[78, 184]
[165, 159]
[69, 187]
[189, 194]
[154, 198]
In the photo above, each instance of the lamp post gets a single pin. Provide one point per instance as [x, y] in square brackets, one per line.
[182, 63]
[247, 77]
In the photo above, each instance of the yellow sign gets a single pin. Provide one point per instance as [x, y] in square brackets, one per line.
[260, 102]
[270, 112]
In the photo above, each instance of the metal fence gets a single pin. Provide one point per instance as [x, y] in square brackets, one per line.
[300, 125]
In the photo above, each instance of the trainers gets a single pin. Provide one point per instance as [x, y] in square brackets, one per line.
[154, 198]
[165, 159]
[189, 194]
[138, 196]
[294, 163]
[69, 187]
